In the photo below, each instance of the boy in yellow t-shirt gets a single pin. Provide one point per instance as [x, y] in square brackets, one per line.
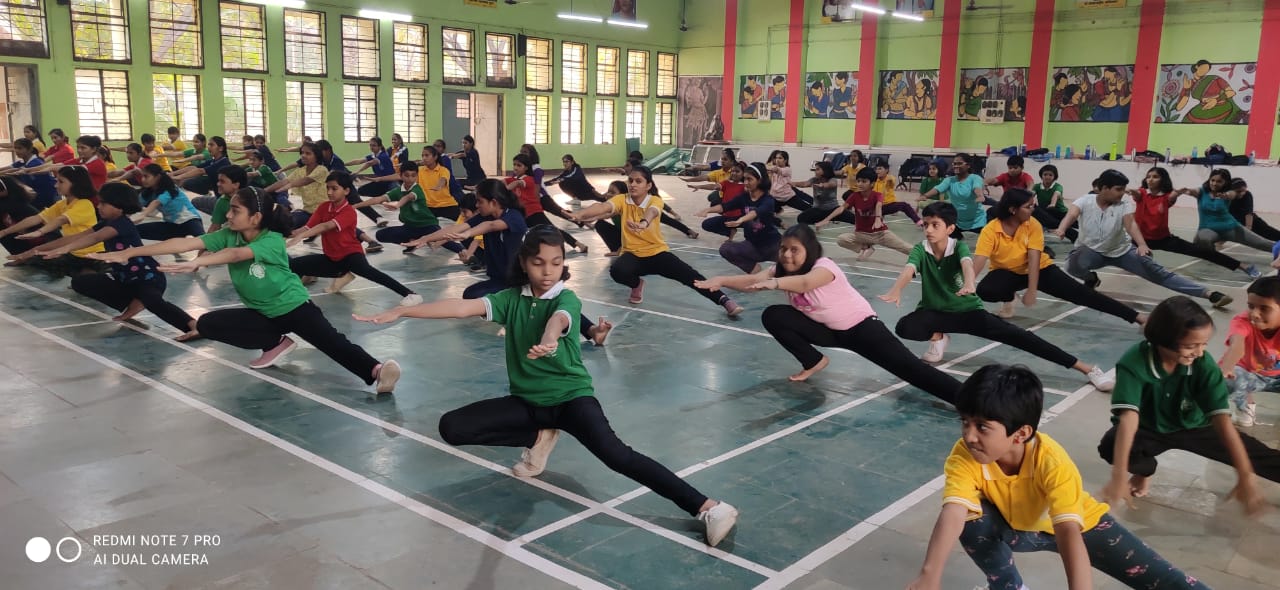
[1011, 489]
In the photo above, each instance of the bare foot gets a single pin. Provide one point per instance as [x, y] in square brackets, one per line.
[807, 373]
[135, 308]
[1141, 320]
[600, 332]
[1139, 486]
[866, 253]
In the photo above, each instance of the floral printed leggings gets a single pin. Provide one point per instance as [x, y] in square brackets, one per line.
[1113, 550]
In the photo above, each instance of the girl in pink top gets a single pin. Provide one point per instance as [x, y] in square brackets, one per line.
[779, 166]
[825, 310]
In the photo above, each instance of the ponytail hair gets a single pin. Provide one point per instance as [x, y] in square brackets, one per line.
[164, 183]
[492, 189]
[274, 217]
[648, 177]
[529, 247]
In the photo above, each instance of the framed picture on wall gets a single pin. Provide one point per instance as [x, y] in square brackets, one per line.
[750, 93]
[777, 97]
[921, 7]
[1205, 93]
[698, 107]
[838, 11]
[1090, 94]
[830, 95]
[763, 111]
[1008, 85]
[908, 94]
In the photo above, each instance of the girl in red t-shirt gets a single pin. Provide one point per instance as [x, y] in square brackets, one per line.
[527, 189]
[1152, 215]
[729, 189]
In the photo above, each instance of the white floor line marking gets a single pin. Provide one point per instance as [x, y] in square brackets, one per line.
[686, 472]
[859, 531]
[500, 545]
[79, 324]
[435, 444]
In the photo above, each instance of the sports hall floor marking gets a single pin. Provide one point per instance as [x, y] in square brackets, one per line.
[428, 441]
[470, 531]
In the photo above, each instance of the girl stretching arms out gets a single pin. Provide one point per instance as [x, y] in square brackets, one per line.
[550, 388]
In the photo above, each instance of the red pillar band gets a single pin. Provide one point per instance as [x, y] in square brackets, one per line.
[865, 112]
[729, 84]
[795, 72]
[947, 73]
[1266, 87]
[1146, 72]
[1038, 76]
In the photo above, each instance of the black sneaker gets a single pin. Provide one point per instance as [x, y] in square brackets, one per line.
[1093, 281]
[373, 247]
[1219, 299]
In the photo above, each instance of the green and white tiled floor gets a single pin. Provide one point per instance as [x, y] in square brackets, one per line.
[309, 481]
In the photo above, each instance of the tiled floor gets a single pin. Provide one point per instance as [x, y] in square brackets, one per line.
[306, 480]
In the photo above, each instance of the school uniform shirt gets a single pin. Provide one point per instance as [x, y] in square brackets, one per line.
[382, 165]
[1183, 399]
[42, 184]
[528, 194]
[501, 246]
[963, 194]
[941, 278]
[836, 305]
[1151, 212]
[268, 157]
[220, 209]
[479, 240]
[137, 269]
[59, 154]
[81, 217]
[553, 379]
[415, 213]
[471, 163]
[266, 177]
[38, 146]
[1047, 489]
[428, 178]
[1044, 194]
[1215, 214]
[336, 164]
[181, 147]
[213, 166]
[264, 283]
[1261, 352]
[1010, 252]
[728, 192]
[163, 161]
[188, 152]
[1007, 182]
[175, 207]
[97, 171]
[340, 242]
[455, 185]
[312, 194]
[399, 157]
[718, 176]
[1102, 230]
[885, 186]
[574, 182]
[646, 242]
[929, 183]
[761, 231]
[863, 206]
[850, 172]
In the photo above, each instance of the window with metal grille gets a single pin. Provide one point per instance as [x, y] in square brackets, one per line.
[304, 110]
[409, 113]
[22, 28]
[244, 37]
[360, 48]
[175, 33]
[102, 102]
[100, 29]
[459, 56]
[537, 119]
[410, 48]
[245, 102]
[573, 65]
[304, 42]
[570, 120]
[637, 72]
[635, 119]
[604, 122]
[537, 64]
[500, 61]
[176, 98]
[664, 119]
[359, 111]
[607, 59]
[666, 75]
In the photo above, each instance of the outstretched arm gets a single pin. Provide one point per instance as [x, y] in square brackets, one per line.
[443, 309]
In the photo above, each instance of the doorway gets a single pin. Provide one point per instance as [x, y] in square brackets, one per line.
[17, 104]
[480, 116]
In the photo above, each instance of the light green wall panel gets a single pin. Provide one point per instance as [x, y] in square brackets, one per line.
[762, 49]
[905, 45]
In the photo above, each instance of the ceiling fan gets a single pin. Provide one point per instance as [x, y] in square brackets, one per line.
[523, 3]
[973, 5]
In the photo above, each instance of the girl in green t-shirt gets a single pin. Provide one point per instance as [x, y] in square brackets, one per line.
[252, 247]
[933, 177]
[550, 388]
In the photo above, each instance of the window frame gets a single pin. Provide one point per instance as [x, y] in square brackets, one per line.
[673, 75]
[303, 86]
[265, 112]
[323, 44]
[24, 48]
[359, 113]
[199, 32]
[403, 116]
[223, 35]
[399, 49]
[568, 126]
[354, 44]
[107, 125]
[602, 71]
[663, 130]
[568, 67]
[530, 114]
[445, 54]
[598, 135]
[180, 123]
[631, 75]
[539, 63]
[510, 55]
[96, 20]
[626, 123]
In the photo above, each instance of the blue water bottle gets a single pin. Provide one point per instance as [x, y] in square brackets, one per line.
[1088, 151]
[1195, 152]
[1252, 157]
[1022, 150]
[1057, 152]
[1069, 152]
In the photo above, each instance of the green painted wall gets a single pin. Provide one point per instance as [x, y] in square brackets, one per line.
[55, 76]
[904, 45]
[830, 47]
[762, 49]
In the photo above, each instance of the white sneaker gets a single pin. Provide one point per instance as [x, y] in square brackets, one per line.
[936, 349]
[1006, 310]
[719, 520]
[534, 460]
[1101, 380]
[411, 300]
[1246, 416]
[388, 376]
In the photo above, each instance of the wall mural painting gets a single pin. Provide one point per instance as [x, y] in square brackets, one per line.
[1008, 85]
[753, 90]
[699, 104]
[830, 95]
[908, 94]
[1090, 94]
[1205, 93]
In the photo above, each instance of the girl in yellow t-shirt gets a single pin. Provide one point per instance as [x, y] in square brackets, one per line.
[72, 215]
[885, 185]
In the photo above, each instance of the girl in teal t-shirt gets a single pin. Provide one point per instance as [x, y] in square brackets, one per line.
[252, 246]
[550, 388]
[1216, 223]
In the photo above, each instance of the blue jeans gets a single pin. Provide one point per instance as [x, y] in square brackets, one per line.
[1113, 550]
[1246, 383]
[1083, 260]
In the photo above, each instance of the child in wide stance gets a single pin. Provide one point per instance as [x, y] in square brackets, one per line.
[1252, 360]
[1012, 489]
[550, 388]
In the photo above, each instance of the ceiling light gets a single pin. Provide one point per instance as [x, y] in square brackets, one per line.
[627, 23]
[582, 17]
[866, 8]
[908, 16]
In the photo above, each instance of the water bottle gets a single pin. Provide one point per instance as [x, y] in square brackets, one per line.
[1113, 151]
[1022, 150]
[1088, 151]
[988, 150]
[1168, 155]
[1069, 152]
[1057, 152]
[1252, 157]
[1195, 152]
[1133, 154]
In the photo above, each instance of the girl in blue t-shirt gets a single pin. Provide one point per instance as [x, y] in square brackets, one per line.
[179, 217]
[130, 286]
[1216, 223]
[551, 390]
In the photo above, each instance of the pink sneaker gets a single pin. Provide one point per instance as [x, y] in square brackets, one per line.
[270, 357]
[732, 308]
[637, 294]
